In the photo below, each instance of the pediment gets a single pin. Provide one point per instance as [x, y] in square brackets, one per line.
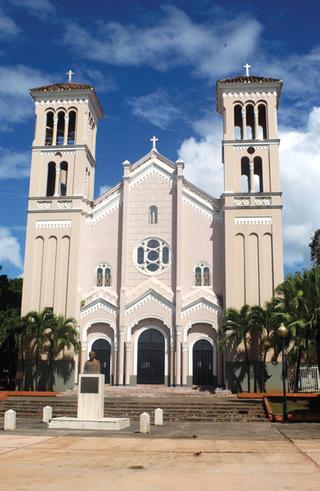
[99, 301]
[149, 296]
[201, 303]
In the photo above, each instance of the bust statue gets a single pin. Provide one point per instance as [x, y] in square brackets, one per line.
[92, 365]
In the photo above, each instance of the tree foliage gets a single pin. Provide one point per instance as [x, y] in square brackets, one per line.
[315, 248]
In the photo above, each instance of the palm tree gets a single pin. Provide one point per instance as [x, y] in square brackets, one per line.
[312, 300]
[235, 331]
[63, 334]
[293, 307]
[263, 322]
[38, 325]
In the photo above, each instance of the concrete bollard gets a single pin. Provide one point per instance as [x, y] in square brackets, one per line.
[46, 414]
[10, 420]
[158, 417]
[144, 423]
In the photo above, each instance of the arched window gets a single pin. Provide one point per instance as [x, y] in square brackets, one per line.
[202, 274]
[198, 276]
[262, 122]
[60, 128]
[153, 214]
[245, 175]
[99, 277]
[250, 122]
[258, 181]
[51, 179]
[72, 128]
[238, 122]
[103, 275]
[206, 276]
[49, 128]
[63, 178]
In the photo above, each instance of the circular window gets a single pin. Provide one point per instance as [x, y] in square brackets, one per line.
[152, 256]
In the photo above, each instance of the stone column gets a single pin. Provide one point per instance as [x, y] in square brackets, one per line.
[256, 124]
[128, 363]
[57, 181]
[55, 125]
[171, 360]
[115, 360]
[185, 363]
[178, 354]
[66, 130]
[178, 261]
[251, 168]
[123, 268]
[244, 124]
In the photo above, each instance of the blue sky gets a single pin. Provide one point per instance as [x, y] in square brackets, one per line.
[145, 55]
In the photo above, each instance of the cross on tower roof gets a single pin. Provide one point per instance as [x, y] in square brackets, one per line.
[154, 140]
[70, 74]
[247, 69]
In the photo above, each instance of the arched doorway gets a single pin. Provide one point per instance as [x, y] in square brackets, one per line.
[151, 347]
[102, 349]
[202, 363]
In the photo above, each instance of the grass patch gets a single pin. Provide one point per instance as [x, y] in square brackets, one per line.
[296, 406]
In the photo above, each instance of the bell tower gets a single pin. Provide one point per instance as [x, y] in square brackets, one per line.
[60, 194]
[252, 192]
[63, 150]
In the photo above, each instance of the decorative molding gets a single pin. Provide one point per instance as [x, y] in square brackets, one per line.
[241, 201]
[199, 305]
[253, 220]
[215, 216]
[242, 146]
[54, 151]
[55, 102]
[64, 204]
[152, 171]
[53, 224]
[107, 209]
[44, 205]
[244, 95]
[148, 298]
[263, 201]
[199, 209]
[99, 305]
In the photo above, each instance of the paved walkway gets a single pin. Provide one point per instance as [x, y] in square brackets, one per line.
[191, 456]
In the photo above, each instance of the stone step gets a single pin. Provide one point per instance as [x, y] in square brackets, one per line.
[175, 409]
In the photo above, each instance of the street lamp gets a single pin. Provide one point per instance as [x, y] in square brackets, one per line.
[283, 332]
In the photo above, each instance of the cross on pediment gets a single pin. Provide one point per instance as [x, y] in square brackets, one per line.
[154, 140]
[247, 69]
[70, 74]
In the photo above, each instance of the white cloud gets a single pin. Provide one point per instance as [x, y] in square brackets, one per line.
[39, 8]
[8, 27]
[9, 248]
[155, 108]
[16, 105]
[202, 159]
[300, 178]
[14, 165]
[104, 189]
[213, 49]
[300, 175]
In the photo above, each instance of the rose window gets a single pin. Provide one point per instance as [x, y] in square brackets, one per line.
[152, 256]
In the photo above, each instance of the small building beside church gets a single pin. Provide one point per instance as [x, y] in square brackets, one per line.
[147, 268]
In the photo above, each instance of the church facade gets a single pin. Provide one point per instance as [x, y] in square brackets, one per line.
[147, 268]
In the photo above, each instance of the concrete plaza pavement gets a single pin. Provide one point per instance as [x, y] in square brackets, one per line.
[187, 456]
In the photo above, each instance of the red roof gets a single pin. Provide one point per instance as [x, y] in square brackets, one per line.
[63, 87]
[248, 80]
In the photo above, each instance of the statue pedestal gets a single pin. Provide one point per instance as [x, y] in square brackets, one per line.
[91, 397]
[90, 408]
